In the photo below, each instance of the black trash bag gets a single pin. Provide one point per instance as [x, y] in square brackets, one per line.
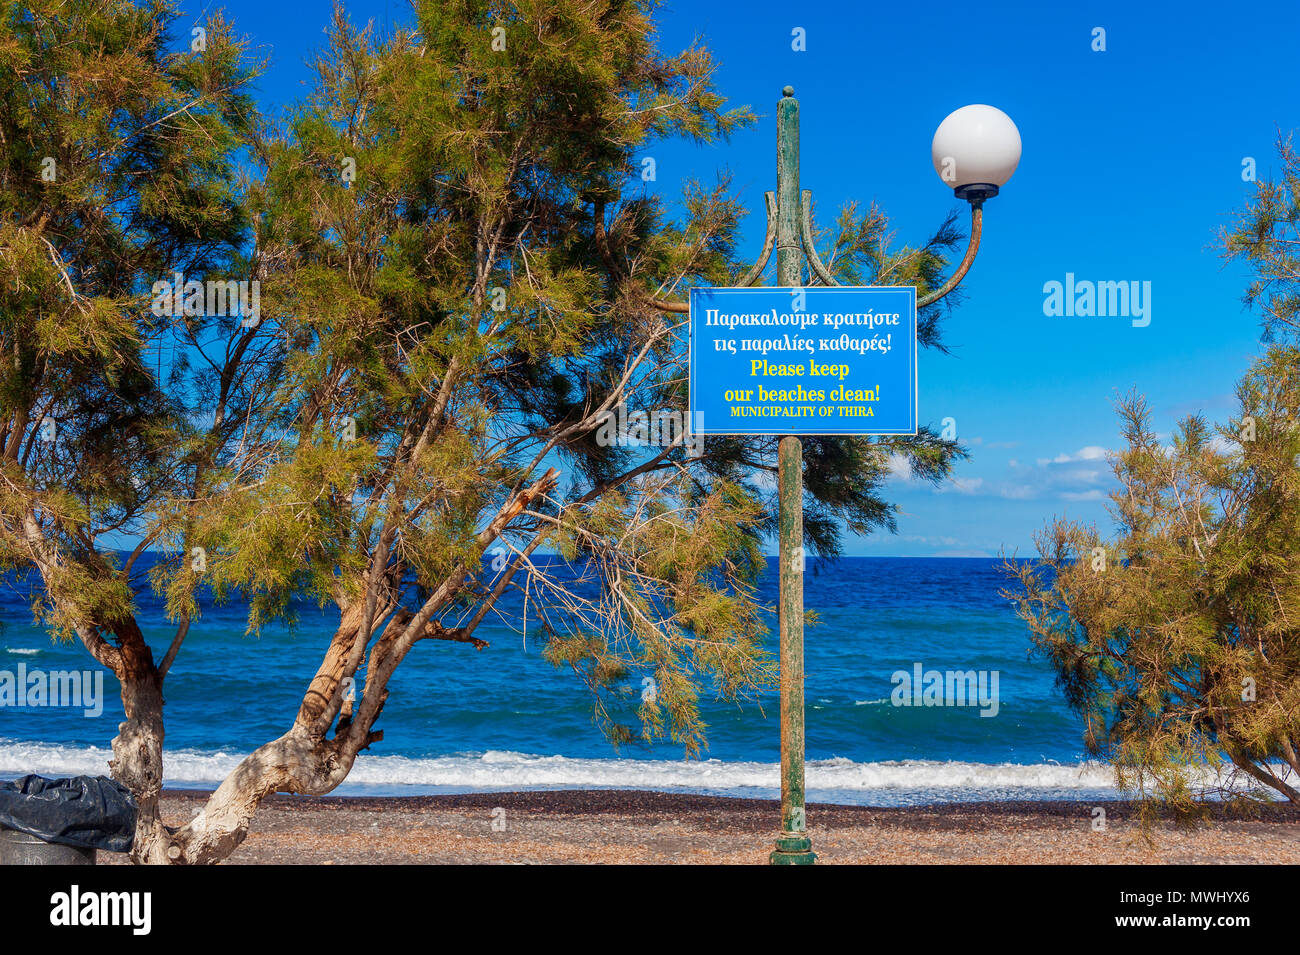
[90, 812]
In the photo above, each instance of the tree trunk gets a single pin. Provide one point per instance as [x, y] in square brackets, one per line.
[303, 760]
[137, 749]
[294, 763]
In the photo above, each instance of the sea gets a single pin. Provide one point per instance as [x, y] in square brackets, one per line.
[503, 718]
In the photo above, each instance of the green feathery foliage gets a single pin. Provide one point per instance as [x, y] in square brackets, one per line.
[1266, 236]
[116, 169]
[1178, 640]
[459, 267]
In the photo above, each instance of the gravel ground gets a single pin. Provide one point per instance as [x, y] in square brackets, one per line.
[615, 826]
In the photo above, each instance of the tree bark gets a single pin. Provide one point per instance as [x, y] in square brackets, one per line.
[137, 749]
[303, 760]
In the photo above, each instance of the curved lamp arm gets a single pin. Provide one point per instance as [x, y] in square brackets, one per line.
[819, 270]
[973, 247]
[809, 250]
[822, 273]
[769, 199]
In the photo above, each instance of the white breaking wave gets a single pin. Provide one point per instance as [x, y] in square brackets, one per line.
[497, 770]
[22, 651]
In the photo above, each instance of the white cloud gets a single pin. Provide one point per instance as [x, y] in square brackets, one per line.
[932, 540]
[1091, 453]
[1093, 495]
[1081, 475]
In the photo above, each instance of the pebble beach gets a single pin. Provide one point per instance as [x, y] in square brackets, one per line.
[639, 827]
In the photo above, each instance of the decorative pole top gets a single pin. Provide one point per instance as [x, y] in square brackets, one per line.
[788, 91]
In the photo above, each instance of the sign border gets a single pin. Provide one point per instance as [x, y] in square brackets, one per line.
[690, 365]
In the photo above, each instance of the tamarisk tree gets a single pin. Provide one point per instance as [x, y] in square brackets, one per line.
[464, 280]
[116, 169]
[1178, 640]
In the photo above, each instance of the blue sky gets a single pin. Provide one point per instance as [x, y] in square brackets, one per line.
[1132, 161]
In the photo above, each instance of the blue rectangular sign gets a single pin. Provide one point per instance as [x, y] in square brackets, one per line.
[803, 361]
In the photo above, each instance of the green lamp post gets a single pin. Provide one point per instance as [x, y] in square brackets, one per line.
[975, 151]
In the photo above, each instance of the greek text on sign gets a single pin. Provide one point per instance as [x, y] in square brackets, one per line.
[803, 361]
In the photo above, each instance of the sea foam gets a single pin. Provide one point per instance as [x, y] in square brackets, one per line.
[832, 780]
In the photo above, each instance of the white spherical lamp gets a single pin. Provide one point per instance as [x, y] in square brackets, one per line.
[975, 151]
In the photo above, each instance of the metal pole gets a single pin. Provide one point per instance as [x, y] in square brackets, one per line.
[793, 847]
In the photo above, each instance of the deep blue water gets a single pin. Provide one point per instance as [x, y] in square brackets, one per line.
[505, 718]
